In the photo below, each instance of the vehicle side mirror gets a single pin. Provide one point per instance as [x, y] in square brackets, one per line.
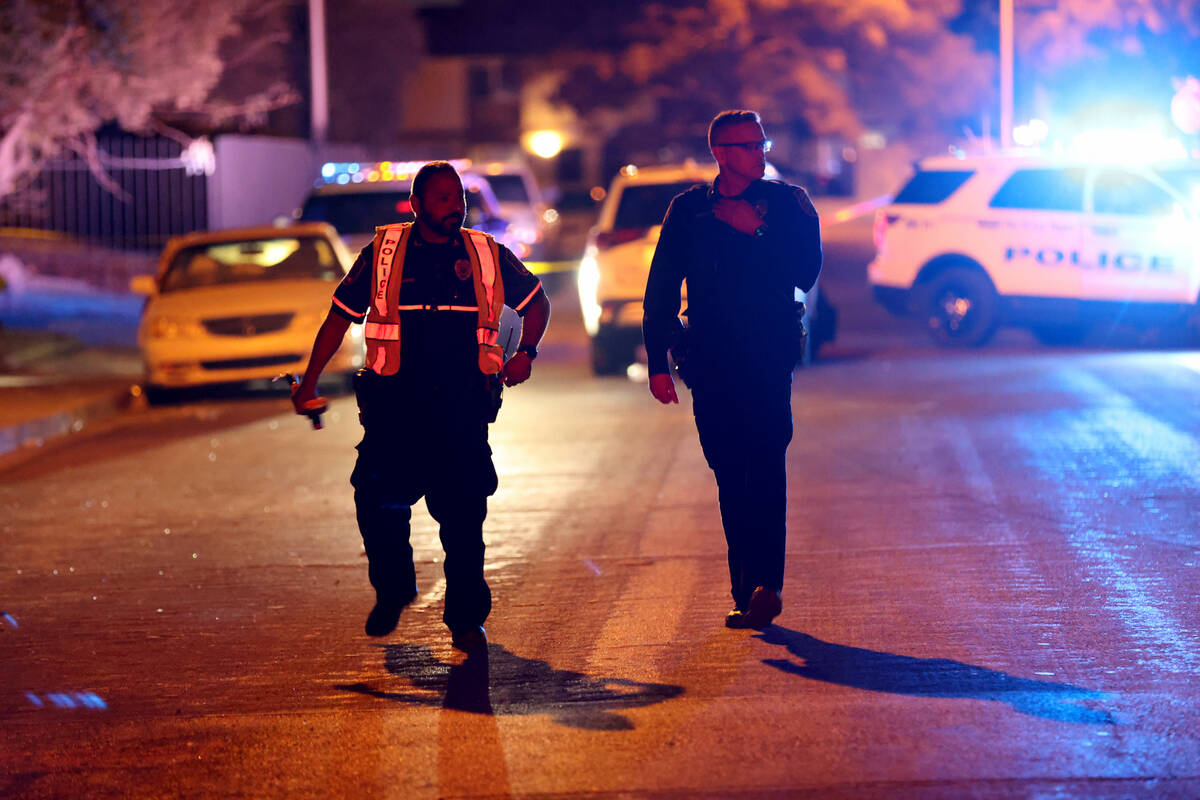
[143, 284]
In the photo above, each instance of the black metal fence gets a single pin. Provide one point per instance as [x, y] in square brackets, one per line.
[158, 198]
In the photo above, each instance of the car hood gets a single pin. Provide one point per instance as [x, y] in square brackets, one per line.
[258, 297]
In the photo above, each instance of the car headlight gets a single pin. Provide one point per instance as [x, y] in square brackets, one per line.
[173, 328]
[588, 281]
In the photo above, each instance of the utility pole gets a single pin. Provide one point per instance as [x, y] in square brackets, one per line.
[1006, 73]
[318, 73]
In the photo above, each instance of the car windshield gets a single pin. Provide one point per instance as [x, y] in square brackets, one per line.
[645, 205]
[249, 260]
[358, 213]
[509, 188]
[363, 212]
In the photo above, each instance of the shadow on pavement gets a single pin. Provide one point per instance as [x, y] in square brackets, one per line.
[497, 682]
[930, 677]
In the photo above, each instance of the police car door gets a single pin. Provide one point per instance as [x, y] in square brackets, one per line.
[1035, 217]
[1139, 240]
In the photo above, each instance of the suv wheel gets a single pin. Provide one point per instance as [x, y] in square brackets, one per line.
[960, 307]
[613, 350]
[606, 360]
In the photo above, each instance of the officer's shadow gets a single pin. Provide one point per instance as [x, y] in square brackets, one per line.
[497, 681]
[930, 677]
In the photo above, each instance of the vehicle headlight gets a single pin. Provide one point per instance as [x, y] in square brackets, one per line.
[173, 328]
[588, 278]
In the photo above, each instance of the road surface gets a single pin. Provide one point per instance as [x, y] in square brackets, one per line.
[991, 591]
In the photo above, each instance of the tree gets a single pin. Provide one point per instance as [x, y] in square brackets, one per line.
[1104, 62]
[1100, 62]
[1070, 31]
[824, 67]
[68, 67]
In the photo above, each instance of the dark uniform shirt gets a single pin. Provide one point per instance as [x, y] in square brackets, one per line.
[741, 287]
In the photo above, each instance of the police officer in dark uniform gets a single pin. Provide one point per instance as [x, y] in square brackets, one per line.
[744, 245]
[430, 295]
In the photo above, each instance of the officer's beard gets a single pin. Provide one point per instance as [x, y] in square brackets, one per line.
[450, 224]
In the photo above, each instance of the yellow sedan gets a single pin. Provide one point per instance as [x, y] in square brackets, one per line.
[241, 305]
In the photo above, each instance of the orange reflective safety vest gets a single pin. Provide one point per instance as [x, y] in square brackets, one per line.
[382, 326]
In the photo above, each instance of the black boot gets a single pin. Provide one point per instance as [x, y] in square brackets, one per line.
[386, 615]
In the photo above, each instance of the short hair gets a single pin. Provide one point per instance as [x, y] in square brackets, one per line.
[728, 118]
[425, 173]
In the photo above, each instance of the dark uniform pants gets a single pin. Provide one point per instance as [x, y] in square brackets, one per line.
[433, 452]
[745, 426]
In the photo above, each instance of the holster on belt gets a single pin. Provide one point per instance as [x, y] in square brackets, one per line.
[495, 397]
[361, 378]
[490, 397]
[678, 349]
[799, 338]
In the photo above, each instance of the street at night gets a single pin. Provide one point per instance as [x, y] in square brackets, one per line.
[991, 592]
[299, 298]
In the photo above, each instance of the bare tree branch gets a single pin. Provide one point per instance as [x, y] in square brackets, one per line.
[89, 150]
[69, 67]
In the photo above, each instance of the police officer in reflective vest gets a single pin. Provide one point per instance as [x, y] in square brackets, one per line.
[744, 245]
[430, 294]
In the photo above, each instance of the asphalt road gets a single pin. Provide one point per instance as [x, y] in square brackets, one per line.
[993, 566]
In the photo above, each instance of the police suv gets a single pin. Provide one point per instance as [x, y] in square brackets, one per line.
[1050, 244]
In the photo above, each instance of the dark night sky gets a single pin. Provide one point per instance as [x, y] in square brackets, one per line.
[524, 27]
[527, 27]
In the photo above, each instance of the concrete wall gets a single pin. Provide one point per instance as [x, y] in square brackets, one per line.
[259, 178]
[435, 98]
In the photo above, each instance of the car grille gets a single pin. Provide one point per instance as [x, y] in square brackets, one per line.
[248, 363]
[247, 326]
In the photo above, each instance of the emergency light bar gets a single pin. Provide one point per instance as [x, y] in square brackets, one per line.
[344, 172]
[1136, 145]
